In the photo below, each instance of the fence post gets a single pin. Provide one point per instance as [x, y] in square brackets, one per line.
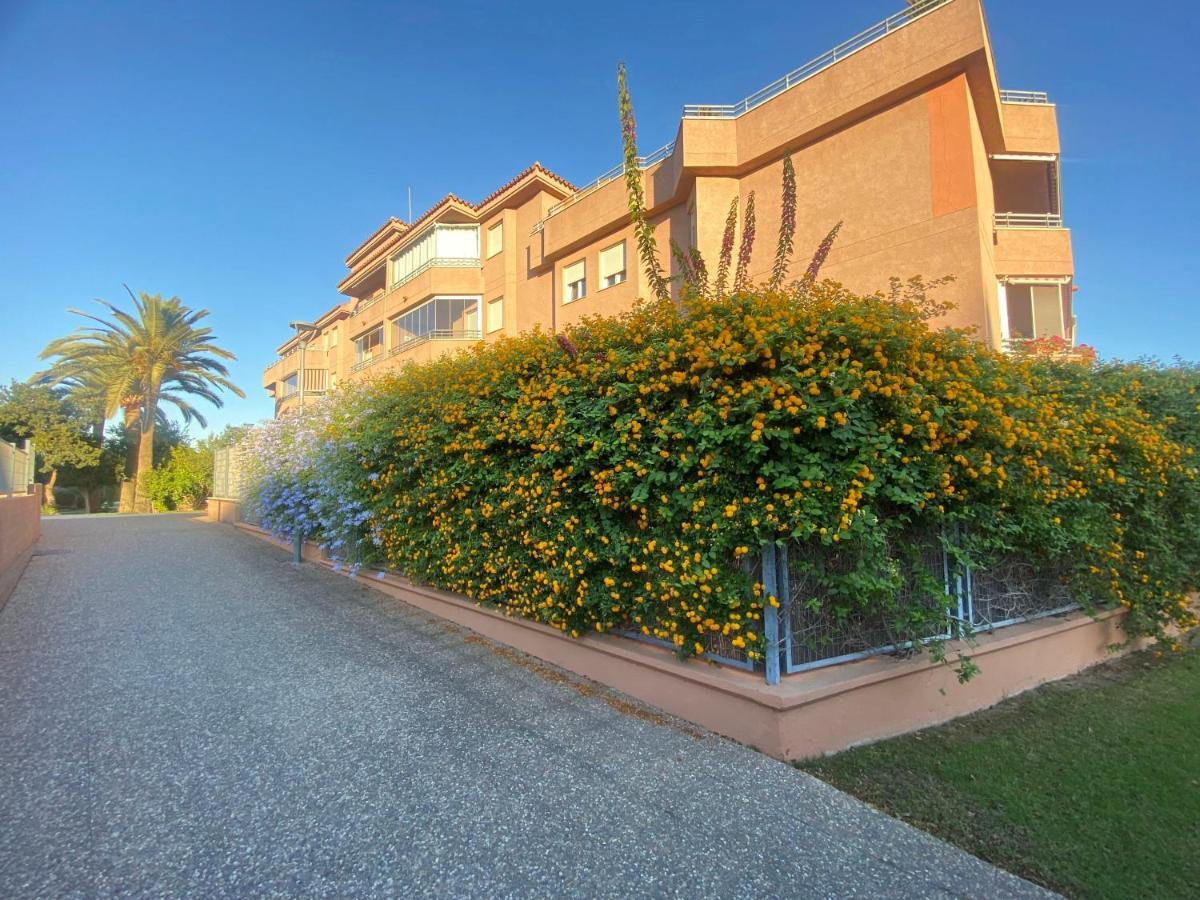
[298, 547]
[770, 577]
[30, 465]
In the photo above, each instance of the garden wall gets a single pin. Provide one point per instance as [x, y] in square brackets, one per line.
[20, 528]
[809, 714]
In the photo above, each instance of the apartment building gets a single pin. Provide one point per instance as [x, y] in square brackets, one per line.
[902, 133]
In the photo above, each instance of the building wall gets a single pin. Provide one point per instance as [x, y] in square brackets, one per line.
[895, 141]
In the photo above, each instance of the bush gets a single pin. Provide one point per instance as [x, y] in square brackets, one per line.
[183, 481]
[611, 476]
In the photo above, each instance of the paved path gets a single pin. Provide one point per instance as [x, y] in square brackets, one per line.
[182, 712]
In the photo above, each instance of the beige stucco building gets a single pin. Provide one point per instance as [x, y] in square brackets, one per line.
[902, 133]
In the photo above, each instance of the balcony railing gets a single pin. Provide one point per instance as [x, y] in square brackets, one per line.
[1028, 220]
[847, 48]
[643, 162]
[1035, 98]
[438, 334]
[708, 110]
[364, 363]
[440, 262]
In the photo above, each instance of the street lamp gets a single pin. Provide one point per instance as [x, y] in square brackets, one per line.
[304, 330]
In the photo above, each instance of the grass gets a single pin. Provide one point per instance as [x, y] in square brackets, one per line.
[1089, 786]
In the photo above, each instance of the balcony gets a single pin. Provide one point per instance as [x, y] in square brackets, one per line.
[315, 382]
[1028, 98]
[440, 334]
[1028, 220]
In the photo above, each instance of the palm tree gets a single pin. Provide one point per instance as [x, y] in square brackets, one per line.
[138, 361]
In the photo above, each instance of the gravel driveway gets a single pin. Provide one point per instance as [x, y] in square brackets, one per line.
[182, 712]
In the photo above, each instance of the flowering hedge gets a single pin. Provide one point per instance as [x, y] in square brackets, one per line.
[611, 476]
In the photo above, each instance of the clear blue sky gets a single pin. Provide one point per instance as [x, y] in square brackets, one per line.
[233, 153]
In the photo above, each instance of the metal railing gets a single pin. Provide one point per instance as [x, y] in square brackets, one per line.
[643, 163]
[847, 48]
[1028, 220]
[1035, 98]
[438, 334]
[438, 262]
[811, 630]
[366, 363]
[227, 474]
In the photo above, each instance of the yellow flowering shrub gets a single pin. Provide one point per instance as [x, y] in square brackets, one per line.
[612, 476]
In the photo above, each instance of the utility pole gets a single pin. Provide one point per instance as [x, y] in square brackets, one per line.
[304, 330]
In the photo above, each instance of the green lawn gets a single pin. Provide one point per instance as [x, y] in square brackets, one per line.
[1090, 786]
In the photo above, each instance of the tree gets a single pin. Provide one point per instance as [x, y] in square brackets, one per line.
[158, 353]
[57, 428]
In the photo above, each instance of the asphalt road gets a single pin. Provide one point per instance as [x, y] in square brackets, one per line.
[182, 712]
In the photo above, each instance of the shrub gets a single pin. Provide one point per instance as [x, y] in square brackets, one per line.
[183, 481]
[610, 477]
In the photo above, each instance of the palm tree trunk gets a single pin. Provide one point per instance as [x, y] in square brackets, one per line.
[145, 455]
[132, 431]
[48, 499]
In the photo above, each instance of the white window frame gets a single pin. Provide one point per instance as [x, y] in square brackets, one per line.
[496, 303]
[399, 342]
[425, 250]
[1033, 284]
[611, 279]
[576, 289]
[360, 354]
[496, 246]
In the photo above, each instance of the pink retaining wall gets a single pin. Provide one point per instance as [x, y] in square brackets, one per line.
[20, 528]
[809, 714]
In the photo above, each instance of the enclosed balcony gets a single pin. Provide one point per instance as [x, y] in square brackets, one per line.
[440, 245]
[438, 319]
[1026, 190]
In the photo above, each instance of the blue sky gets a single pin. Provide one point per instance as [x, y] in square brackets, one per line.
[233, 153]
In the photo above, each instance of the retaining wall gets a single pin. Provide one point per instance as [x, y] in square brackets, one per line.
[808, 714]
[20, 528]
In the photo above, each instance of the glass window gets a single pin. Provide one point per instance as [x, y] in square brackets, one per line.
[291, 384]
[495, 239]
[369, 345]
[612, 265]
[495, 314]
[1047, 310]
[574, 281]
[1034, 311]
[441, 317]
[438, 242]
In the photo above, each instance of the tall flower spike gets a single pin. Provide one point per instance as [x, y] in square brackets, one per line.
[683, 262]
[643, 230]
[818, 260]
[742, 275]
[566, 345]
[699, 270]
[787, 225]
[726, 249]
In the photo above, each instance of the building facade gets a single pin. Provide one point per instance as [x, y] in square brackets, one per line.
[902, 133]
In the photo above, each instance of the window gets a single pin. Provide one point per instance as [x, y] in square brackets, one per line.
[439, 318]
[495, 314]
[331, 338]
[447, 244]
[369, 345]
[291, 384]
[495, 239]
[574, 282]
[1034, 311]
[612, 265]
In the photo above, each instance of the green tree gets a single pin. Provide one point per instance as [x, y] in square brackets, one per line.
[184, 480]
[157, 354]
[58, 429]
